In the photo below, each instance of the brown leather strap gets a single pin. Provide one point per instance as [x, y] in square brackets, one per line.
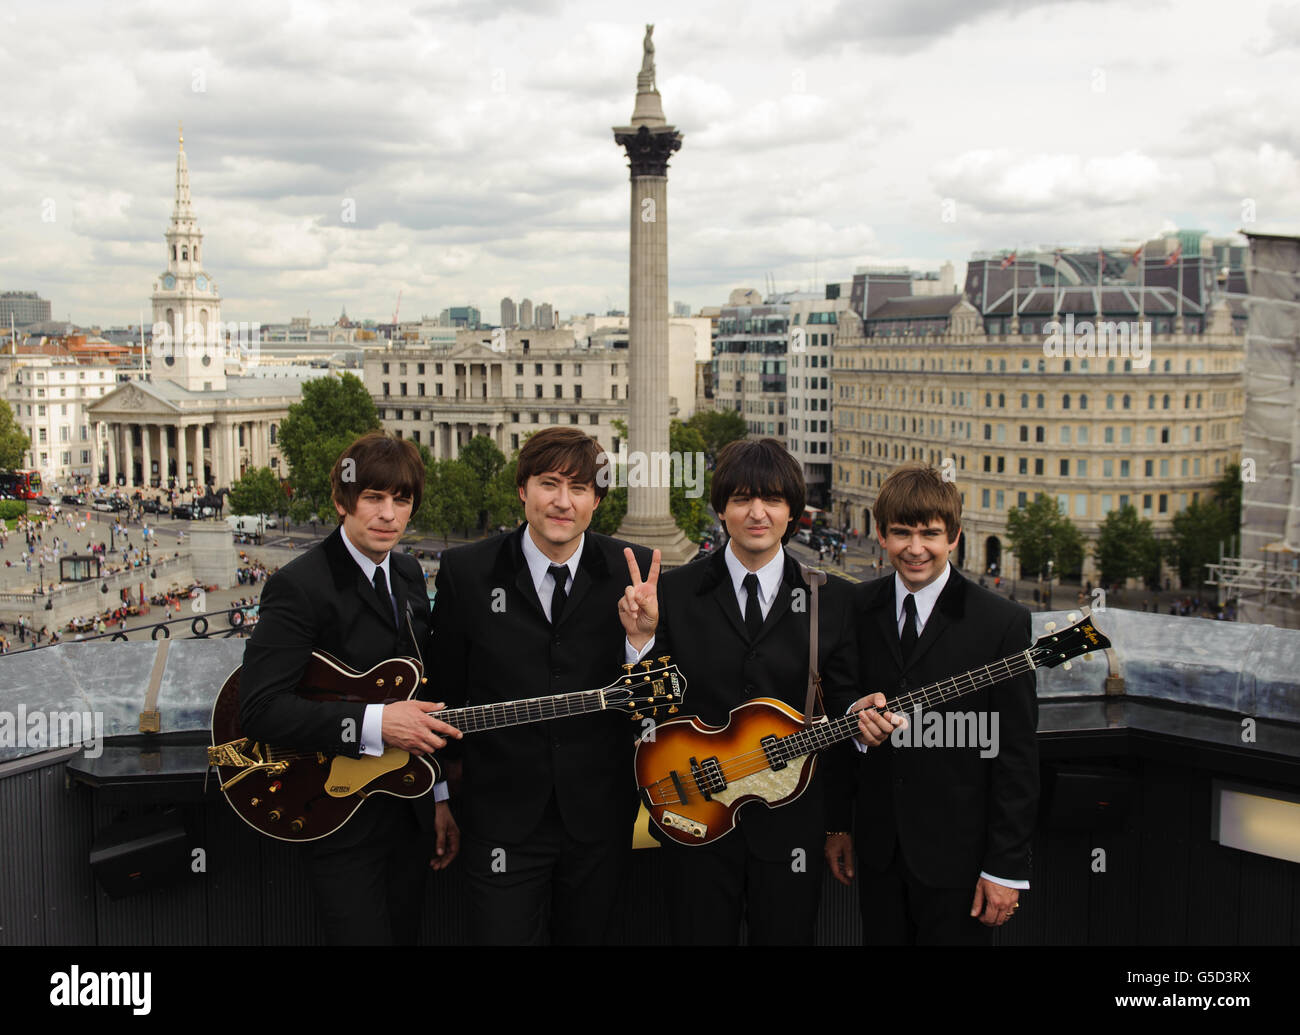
[813, 704]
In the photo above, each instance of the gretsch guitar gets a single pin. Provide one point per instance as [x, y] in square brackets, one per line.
[296, 795]
[693, 777]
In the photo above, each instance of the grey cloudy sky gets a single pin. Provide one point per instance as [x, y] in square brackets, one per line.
[474, 141]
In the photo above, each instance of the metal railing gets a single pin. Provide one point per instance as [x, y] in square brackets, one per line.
[238, 620]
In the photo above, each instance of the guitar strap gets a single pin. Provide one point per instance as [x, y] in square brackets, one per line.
[814, 577]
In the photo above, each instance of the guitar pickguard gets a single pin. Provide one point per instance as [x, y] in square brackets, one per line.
[349, 775]
[770, 785]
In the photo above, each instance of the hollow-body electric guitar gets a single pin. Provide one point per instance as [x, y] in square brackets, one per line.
[296, 795]
[693, 777]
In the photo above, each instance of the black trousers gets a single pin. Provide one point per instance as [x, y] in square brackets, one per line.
[712, 887]
[547, 889]
[369, 877]
[897, 909]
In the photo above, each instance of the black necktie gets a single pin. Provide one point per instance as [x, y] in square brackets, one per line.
[753, 612]
[908, 635]
[385, 598]
[560, 573]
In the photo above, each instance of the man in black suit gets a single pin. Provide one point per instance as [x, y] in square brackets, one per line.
[547, 808]
[368, 877]
[935, 819]
[737, 624]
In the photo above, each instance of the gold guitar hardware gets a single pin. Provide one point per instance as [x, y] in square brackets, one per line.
[397, 681]
[275, 814]
[379, 682]
[408, 779]
[297, 825]
[255, 801]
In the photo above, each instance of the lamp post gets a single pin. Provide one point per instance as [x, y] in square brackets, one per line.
[1047, 601]
[41, 577]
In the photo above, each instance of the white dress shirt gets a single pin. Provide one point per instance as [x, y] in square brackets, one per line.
[372, 725]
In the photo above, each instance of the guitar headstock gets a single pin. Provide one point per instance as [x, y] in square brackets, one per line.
[1060, 645]
[649, 685]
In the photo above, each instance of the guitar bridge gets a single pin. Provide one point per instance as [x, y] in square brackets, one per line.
[772, 750]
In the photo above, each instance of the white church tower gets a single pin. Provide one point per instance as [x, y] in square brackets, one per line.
[186, 300]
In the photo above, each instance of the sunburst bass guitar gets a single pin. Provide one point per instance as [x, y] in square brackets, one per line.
[693, 778]
[296, 795]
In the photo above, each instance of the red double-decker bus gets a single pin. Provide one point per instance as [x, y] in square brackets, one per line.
[20, 485]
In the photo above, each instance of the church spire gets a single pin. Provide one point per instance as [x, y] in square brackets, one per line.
[182, 212]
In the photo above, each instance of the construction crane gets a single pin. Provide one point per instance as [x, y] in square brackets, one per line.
[397, 309]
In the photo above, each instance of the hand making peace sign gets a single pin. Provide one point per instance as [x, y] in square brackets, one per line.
[638, 609]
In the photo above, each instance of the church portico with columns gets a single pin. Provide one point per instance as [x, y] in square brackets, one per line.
[159, 434]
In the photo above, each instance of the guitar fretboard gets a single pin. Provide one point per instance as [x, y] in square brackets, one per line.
[516, 713]
[838, 728]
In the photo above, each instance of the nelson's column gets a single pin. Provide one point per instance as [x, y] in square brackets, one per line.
[649, 141]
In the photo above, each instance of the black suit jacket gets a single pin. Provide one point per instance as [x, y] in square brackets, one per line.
[701, 626]
[322, 601]
[951, 812]
[491, 642]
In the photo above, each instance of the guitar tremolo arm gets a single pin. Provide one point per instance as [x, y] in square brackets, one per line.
[233, 755]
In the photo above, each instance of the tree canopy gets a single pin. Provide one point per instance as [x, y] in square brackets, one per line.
[13, 443]
[333, 411]
[1040, 533]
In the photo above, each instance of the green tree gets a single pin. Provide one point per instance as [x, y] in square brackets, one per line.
[1040, 533]
[501, 497]
[612, 510]
[13, 443]
[1227, 496]
[1197, 533]
[333, 411]
[690, 504]
[718, 427]
[484, 461]
[258, 492]
[450, 499]
[1127, 547]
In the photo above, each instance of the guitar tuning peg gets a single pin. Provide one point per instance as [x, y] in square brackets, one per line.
[629, 667]
[1068, 665]
[672, 710]
[1072, 617]
[664, 660]
[1050, 626]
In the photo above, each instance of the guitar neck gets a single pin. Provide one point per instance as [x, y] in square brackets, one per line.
[518, 713]
[843, 727]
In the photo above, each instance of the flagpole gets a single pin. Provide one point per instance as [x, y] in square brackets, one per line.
[1142, 284]
[1056, 287]
[1015, 291]
[1101, 263]
[1180, 288]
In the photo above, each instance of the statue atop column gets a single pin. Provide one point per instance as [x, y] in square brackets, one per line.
[645, 80]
